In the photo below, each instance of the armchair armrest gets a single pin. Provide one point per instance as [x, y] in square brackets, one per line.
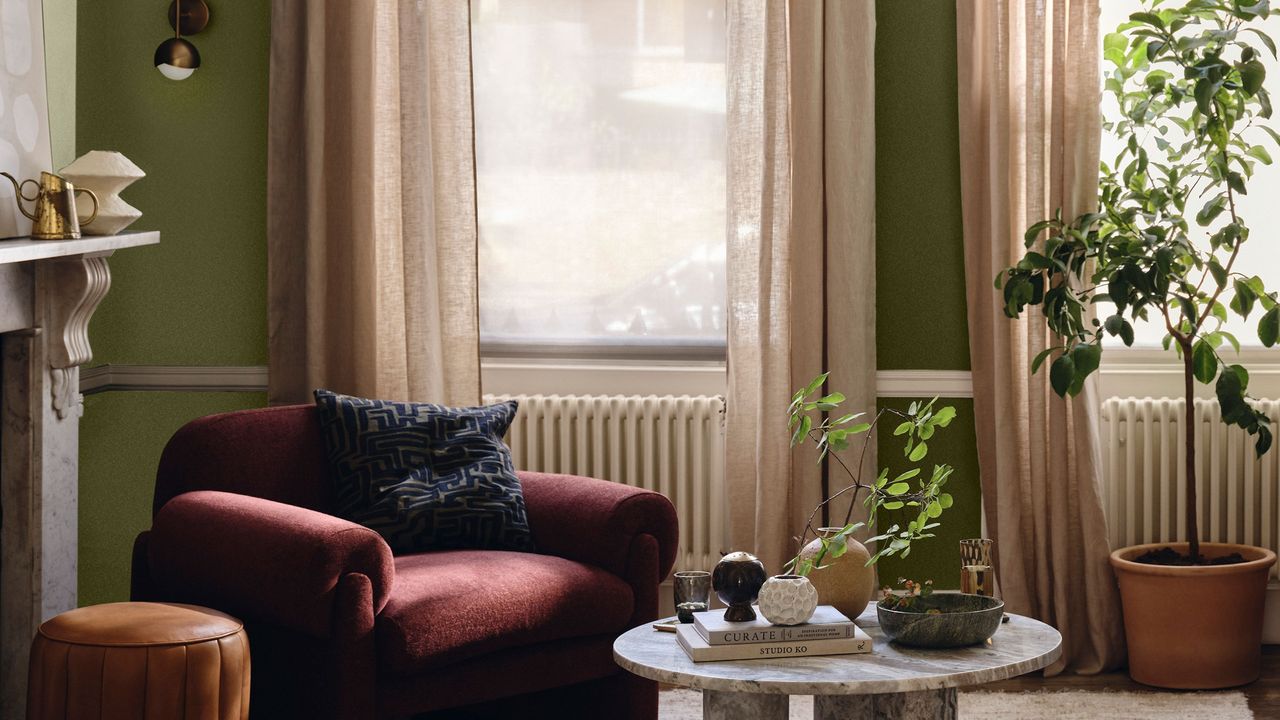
[595, 521]
[263, 560]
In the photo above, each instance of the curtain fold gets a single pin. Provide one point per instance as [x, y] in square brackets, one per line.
[801, 242]
[1030, 128]
[372, 286]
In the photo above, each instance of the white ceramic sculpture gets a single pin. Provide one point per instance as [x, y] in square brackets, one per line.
[788, 599]
[106, 173]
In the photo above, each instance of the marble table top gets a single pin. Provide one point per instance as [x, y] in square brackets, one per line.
[1019, 646]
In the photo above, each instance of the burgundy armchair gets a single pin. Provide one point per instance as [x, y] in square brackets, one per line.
[341, 628]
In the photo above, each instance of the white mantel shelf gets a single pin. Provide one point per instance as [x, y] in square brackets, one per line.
[27, 249]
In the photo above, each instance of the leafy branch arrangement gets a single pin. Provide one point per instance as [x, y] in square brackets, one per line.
[1190, 90]
[811, 418]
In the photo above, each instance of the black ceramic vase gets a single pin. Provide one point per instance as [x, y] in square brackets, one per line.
[737, 580]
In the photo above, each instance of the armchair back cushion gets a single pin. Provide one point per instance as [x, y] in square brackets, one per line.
[273, 453]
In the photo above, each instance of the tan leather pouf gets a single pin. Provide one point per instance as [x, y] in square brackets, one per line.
[149, 661]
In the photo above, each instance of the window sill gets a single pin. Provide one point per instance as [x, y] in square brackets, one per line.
[1153, 372]
[532, 376]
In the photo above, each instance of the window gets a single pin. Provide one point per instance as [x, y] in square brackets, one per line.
[600, 165]
[1261, 255]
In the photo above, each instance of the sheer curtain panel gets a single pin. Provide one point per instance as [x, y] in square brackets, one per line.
[1030, 128]
[371, 206]
[801, 248]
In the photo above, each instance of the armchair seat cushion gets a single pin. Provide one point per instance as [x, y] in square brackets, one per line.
[452, 605]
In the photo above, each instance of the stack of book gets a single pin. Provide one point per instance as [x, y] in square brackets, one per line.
[828, 632]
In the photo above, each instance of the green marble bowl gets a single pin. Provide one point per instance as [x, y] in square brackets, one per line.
[964, 620]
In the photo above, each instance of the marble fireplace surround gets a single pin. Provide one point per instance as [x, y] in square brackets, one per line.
[48, 292]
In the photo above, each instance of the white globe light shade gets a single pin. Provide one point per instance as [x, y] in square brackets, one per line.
[173, 72]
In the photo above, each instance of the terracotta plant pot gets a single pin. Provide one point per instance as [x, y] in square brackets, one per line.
[847, 582]
[1194, 628]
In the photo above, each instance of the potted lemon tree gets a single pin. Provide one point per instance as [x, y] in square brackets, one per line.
[1163, 245]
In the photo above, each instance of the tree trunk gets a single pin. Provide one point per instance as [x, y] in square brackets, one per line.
[1189, 427]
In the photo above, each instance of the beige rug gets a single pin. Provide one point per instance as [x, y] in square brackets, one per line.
[1058, 705]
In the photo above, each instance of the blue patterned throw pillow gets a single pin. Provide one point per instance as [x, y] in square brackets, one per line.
[425, 477]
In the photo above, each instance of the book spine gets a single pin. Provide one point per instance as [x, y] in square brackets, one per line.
[776, 634]
[767, 651]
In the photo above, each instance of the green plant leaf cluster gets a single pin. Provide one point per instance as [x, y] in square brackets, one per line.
[1164, 240]
[813, 415]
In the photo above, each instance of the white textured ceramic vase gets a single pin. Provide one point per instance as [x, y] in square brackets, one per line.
[106, 174]
[788, 599]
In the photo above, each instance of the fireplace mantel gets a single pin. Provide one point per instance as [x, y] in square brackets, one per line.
[48, 292]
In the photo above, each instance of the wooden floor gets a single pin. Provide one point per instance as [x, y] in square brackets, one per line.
[1264, 695]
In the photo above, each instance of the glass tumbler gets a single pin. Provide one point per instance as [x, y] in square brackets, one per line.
[692, 593]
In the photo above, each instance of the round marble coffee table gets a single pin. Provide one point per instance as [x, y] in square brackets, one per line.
[892, 681]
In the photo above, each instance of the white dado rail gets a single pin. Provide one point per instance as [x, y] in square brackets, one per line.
[48, 292]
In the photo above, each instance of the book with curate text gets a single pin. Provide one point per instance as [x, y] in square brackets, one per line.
[827, 623]
[700, 651]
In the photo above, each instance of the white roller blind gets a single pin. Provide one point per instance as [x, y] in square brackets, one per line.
[600, 153]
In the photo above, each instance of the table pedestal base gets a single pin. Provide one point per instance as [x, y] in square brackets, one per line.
[938, 704]
[718, 705]
[932, 704]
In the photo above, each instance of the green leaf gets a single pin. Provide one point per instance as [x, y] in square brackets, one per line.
[918, 452]
[1040, 358]
[945, 500]
[833, 399]
[1061, 374]
[1242, 301]
[1218, 272]
[1252, 74]
[1204, 362]
[893, 505]
[944, 416]
[1266, 40]
[1032, 232]
[1148, 18]
[1269, 327]
[1086, 358]
[903, 428]
[859, 428]
[898, 488]
[1260, 153]
[801, 431]
[814, 384]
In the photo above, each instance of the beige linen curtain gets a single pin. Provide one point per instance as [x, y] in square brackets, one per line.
[801, 244]
[371, 208]
[1030, 131]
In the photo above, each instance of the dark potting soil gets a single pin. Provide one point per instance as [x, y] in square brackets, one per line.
[1169, 556]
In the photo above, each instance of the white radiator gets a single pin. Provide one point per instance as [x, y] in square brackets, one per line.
[673, 445]
[1144, 477]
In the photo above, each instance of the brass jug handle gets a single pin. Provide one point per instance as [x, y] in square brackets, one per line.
[94, 197]
[23, 195]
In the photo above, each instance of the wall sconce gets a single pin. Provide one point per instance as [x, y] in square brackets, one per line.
[176, 58]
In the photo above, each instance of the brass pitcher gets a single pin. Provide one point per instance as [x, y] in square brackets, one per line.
[55, 206]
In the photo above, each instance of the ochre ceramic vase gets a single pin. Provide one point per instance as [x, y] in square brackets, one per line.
[788, 599]
[737, 579]
[847, 582]
[1194, 627]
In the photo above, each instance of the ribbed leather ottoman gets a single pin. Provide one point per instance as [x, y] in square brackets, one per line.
[140, 660]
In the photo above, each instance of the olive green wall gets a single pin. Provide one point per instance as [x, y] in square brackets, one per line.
[198, 298]
[920, 289]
